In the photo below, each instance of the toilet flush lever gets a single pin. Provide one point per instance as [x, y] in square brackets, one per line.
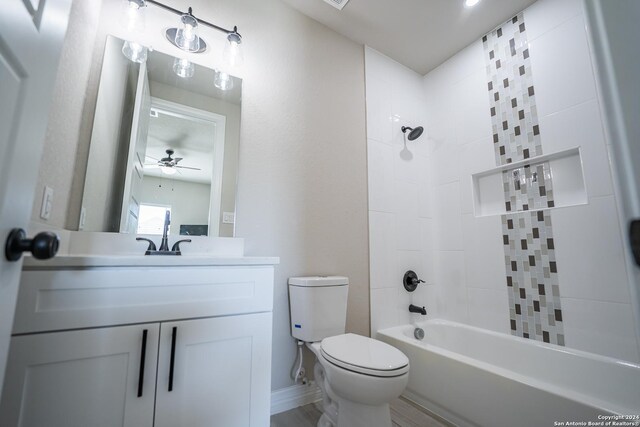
[411, 281]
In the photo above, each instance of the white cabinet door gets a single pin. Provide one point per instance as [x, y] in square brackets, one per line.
[86, 378]
[221, 372]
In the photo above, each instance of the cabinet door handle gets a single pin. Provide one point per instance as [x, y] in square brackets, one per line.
[143, 354]
[174, 334]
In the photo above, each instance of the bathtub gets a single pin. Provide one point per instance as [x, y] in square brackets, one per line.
[474, 377]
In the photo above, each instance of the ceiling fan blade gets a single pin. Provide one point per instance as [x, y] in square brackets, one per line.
[151, 165]
[177, 159]
[186, 167]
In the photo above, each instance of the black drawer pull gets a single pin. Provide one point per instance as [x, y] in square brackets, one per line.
[174, 334]
[143, 354]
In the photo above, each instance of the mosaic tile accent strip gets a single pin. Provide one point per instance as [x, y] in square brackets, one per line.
[532, 270]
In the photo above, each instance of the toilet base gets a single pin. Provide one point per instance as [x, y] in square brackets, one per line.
[339, 412]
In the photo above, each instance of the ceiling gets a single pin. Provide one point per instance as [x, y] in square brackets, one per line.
[190, 139]
[421, 34]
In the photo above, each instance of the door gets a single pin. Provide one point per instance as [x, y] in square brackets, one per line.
[221, 373]
[31, 37]
[135, 159]
[86, 378]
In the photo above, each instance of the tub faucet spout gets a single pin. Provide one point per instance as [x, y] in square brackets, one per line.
[416, 309]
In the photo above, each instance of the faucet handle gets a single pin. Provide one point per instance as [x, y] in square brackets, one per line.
[176, 245]
[152, 246]
[411, 281]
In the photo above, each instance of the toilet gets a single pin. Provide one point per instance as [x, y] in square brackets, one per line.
[358, 375]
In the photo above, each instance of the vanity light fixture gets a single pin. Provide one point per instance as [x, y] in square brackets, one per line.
[183, 68]
[185, 36]
[223, 81]
[135, 51]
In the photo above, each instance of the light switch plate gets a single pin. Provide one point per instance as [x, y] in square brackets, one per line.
[47, 203]
[228, 217]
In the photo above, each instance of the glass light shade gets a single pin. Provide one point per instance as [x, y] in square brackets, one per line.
[168, 170]
[134, 51]
[187, 35]
[223, 81]
[183, 68]
[133, 15]
[232, 54]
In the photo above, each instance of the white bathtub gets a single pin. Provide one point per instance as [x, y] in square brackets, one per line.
[474, 377]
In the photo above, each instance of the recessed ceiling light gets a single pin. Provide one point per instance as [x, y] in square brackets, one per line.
[470, 3]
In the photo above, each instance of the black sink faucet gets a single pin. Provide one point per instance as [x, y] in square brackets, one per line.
[416, 309]
[164, 244]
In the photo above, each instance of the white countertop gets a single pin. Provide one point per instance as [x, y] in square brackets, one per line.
[82, 261]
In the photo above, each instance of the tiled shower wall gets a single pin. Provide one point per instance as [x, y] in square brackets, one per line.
[587, 240]
[466, 262]
[400, 208]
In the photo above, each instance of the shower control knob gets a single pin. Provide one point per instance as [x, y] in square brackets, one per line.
[411, 281]
[43, 246]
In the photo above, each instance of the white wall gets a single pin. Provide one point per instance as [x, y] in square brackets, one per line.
[470, 279]
[302, 183]
[189, 201]
[401, 211]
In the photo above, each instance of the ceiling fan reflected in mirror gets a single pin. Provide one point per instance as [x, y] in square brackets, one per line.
[168, 165]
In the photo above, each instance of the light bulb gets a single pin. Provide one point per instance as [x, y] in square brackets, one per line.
[183, 68]
[134, 51]
[471, 3]
[168, 170]
[133, 16]
[232, 54]
[187, 36]
[223, 81]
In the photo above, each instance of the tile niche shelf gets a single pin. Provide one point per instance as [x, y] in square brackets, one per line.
[563, 169]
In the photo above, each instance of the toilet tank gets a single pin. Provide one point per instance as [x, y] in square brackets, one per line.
[318, 306]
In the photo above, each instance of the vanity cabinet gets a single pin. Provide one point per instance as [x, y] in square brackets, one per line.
[166, 369]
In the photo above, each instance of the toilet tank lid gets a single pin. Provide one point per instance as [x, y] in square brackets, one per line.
[319, 281]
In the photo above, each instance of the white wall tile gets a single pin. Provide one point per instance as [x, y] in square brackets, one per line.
[448, 217]
[425, 189]
[406, 164]
[589, 251]
[600, 327]
[561, 67]
[380, 173]
[383, 309]
[447, 161]
[382, 253]
[489, 309]
[477, 156]
[545, 15]
[450, 272]
[378, 92]
[472, 111]
[581, 126]
[427, 249]
[405, 199]
[484, 252]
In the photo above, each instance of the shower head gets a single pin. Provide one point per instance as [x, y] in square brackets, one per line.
[414, 133]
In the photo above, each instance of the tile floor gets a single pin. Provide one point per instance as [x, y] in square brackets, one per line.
[403, 414]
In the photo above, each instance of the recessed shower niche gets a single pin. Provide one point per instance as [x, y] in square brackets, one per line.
[544, 182]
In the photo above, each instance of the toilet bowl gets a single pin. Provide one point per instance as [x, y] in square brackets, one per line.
[358, 375]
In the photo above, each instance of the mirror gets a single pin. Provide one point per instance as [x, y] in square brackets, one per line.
[162, 142]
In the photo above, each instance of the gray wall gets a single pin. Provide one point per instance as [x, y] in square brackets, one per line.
[302, 183]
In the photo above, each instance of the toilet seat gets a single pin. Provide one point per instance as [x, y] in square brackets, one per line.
[364, 355]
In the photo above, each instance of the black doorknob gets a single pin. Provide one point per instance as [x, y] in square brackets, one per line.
[43, 246]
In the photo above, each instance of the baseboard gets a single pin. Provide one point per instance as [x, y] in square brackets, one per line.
[288, 398]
